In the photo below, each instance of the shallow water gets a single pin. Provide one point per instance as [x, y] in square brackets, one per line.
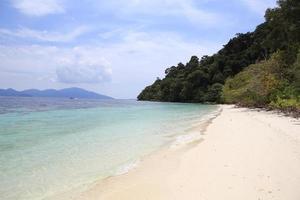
[49, 146]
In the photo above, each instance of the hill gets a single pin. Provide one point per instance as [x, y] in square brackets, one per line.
[63, 93]
[259, 68]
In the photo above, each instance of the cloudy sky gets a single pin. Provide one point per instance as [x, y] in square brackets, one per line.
[113, 47]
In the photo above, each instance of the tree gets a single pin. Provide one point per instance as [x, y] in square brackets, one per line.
[259, 68]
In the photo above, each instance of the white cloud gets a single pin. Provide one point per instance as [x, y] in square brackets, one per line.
[66, 65]
[38, 7]
[45, 35]
[259, 6]
[186, 9]
[83, 74]
[83, 65]
[200, 16]
[135, 60]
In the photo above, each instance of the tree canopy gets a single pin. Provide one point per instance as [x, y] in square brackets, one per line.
[264, 62]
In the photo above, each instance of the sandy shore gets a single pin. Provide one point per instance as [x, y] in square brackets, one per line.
[243, 155]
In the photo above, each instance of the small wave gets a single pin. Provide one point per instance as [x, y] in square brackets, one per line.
[124, 169]
[195, 135]
[185, 139]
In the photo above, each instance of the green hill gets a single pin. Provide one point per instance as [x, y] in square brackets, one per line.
[259, 68]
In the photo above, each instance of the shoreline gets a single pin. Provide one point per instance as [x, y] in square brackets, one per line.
[171, 147]
[242, 154]
[192, 134]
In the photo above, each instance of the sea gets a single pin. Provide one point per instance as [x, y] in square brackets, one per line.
[49, 146]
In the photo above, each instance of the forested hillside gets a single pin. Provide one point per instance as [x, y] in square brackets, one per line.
[260, 68]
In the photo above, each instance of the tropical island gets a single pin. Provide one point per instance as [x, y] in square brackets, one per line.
[254, 69]
[209, 130]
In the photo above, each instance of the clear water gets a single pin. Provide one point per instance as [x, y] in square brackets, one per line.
[49, 146]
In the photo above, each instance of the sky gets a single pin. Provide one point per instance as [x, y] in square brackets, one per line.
[114, 47]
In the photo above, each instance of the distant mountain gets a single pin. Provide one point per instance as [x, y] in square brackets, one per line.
[12, 92]
[63, 93]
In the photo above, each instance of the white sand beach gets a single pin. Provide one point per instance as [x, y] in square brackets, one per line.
[244, 154]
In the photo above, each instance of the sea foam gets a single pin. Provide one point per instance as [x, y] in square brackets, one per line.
[124, 169]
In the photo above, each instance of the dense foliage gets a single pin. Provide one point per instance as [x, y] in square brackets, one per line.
[259, 68]
[269, 83]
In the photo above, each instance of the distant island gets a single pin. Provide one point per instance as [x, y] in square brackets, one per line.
[63, 93]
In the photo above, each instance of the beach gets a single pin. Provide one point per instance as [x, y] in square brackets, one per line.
[242, 154]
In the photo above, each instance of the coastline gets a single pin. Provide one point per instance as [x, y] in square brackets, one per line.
[191, 133]
[243, 154]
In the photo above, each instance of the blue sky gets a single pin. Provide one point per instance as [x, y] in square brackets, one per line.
[114, 47]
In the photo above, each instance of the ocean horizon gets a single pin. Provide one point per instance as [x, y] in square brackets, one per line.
[50, 146]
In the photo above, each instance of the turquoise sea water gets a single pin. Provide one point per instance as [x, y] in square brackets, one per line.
[50, 146]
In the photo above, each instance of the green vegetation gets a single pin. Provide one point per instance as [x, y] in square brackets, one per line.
[271, 83]
[256, 85]
[260, 68]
